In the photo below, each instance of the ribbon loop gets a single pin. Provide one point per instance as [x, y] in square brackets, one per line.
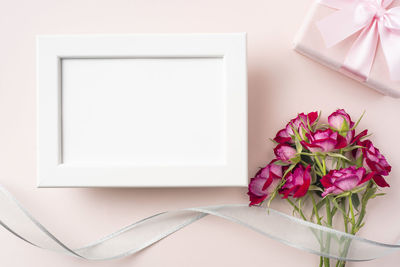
[374, 21]
[392, 19]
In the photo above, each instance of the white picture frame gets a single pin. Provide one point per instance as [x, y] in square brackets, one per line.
[142, 110]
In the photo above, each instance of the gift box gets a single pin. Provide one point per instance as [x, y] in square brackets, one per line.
[359, 38]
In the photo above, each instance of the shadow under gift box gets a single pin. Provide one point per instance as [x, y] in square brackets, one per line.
[310, 43]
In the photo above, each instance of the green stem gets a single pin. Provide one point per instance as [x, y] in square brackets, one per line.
[327, 262]
[329, 224]
[323, 165]
[321, 259]
[353, 219]
[328, 212]
[355, 224]
[363, 207]
[315, 209]
[319, 163]
[346, 227]
[297, 209]
[342, 162]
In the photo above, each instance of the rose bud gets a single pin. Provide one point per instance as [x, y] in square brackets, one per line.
[343, 180]
[264, 183]
[323, 141]
[371, 157]
[285, 153]
[297, 182]
[340, 121]
[299, 123]
[283, 137]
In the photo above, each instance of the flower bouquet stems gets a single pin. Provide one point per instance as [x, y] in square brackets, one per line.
[329, 165]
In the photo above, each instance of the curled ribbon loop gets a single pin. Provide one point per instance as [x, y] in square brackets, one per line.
[289, 230]
[375, 22]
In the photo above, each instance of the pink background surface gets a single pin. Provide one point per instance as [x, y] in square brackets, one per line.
[281, 83]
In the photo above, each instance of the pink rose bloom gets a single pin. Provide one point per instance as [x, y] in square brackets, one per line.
[264, 183]
[297, 182]
[299, 123]
[340, 121]
[323, 141]
[285, 152]
[343, 180]
[375, 161]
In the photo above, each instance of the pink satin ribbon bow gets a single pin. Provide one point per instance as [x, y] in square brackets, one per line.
[375, 21]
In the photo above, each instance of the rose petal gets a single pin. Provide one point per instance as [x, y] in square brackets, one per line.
[379, 180]
[282, 137]
[312, 117]
[360, 135]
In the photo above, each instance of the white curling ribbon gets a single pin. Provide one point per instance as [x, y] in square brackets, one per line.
[289, 230]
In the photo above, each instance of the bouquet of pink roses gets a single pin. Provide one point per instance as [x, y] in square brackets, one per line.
[330, 165]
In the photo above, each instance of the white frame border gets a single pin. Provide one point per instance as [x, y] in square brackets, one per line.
[51, 172]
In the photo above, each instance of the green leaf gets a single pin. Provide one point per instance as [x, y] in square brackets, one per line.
[371, 192]
[319, 205]
[336, 155]
[273, 141]
[333, 212]
[288, 170]
[306, 154]
[319, 116]
[368, 194]
[324, 125]
[338, 207]
[377, 195]
[366, 136]
[313, 178]
[345, 128]
[272, 198]
[359, 161]
[281, 163]
[295, 160]
[355, 191]
[350, 148]
[299, 147]
[317, 171]
[358, 121]
[315, 188]
[296, 133]
[309, 125]
[345, 194]
[355, 200]
[305, 123]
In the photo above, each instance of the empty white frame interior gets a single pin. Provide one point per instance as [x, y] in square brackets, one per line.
[142, 110]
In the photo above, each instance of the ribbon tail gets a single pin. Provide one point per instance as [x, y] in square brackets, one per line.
[131, 239]
[361, 55]
[390, 40]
